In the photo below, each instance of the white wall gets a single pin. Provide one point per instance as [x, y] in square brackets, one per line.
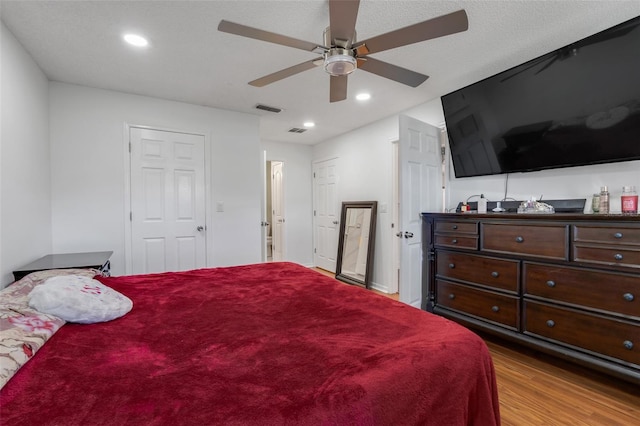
[365, 173]
[25, 192]
[364, 160]
[88, 153]
[298, 196]
[573, 182]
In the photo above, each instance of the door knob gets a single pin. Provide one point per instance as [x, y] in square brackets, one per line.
[335, 222]
[200, 228]
[408, 234]
[399, 234]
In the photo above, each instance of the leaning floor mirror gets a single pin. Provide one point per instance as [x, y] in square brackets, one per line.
[356, 242]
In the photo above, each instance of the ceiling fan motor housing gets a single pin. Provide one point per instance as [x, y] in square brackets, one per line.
[339, 61]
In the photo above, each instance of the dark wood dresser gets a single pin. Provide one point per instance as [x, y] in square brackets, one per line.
[566, 284]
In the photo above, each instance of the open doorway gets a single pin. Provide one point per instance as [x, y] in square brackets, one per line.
[274, 224]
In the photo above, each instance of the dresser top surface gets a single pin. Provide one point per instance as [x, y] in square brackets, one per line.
[566, 217]
[67, 260]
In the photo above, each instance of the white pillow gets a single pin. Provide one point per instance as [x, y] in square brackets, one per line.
[79, 299]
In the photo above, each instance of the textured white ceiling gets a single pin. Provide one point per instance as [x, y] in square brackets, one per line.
[188, 60]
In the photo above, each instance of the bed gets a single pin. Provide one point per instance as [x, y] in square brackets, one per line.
[265, 344]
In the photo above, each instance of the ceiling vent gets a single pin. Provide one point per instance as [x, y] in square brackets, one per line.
[268, 108]
[297, 130]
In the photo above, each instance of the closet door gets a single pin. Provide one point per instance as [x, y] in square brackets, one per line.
[167, 201]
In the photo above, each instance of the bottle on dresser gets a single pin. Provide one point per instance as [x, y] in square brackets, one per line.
[482, 204]
[629, 200]
[604, 200]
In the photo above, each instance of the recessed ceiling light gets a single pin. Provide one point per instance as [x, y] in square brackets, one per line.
[135, 40]
[309, 124]
[363, 96]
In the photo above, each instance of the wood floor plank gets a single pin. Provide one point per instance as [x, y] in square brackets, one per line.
[538, 389]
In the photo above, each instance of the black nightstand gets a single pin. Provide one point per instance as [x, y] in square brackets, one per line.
[93, 260]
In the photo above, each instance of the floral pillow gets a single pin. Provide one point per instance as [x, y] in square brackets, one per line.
[24, 330]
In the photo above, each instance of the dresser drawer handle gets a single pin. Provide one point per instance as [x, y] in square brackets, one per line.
[519, 239]
[452, 266]
[628, 297]
[551, 323]
[495, 308]
[628, 344]
[454, 227]
[618, 256]
[617, 235]
[454, 241]
[452, 296]
[551, 283]
[495, 274]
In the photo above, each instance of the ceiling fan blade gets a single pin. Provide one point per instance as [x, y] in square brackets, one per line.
[287, 72]
[393, 72]
[437, 27]
[244, 31]
[338, 88]
[342, 18]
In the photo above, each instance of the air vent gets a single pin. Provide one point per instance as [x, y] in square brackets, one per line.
[297, 130]
[268, 108]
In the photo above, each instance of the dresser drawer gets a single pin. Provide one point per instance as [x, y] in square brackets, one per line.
[610, 337]
[498, 273]
[626, 256]
[456, 241]
[457, 227]
[545, 241]
[607, 234]
[607, 291]
[488, 305]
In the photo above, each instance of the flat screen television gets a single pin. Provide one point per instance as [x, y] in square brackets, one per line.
[578, 105]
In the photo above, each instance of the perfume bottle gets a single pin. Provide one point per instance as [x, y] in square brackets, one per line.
[629, 200]
[604, 200]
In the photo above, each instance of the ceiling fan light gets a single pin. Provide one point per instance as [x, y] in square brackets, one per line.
[338, 63]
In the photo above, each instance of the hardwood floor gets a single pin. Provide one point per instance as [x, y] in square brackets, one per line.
[537, 389]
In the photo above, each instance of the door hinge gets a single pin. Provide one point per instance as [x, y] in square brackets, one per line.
[431, 255]
[314, 212]
[315, 250]
[130, 216]
[314, 175]
[129, 147]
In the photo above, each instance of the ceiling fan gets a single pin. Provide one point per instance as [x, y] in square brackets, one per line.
[342, 53]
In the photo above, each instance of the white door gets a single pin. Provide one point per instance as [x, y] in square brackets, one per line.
[167, 201]
[326, 214]
[277, 203]
[420, 186]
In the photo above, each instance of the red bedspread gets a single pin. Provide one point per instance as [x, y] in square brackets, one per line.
[264, 344]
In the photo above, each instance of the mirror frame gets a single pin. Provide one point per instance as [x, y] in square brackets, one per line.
[346, 205]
